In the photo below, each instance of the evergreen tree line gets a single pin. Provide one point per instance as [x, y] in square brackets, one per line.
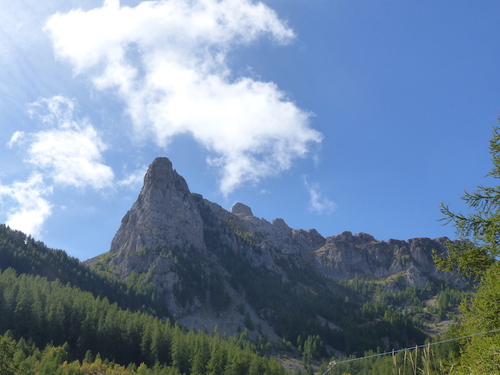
[213, 356]
[409, 301]
[25, 255]
[77, 325]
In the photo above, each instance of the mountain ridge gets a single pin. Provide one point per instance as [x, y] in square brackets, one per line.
[231, 269]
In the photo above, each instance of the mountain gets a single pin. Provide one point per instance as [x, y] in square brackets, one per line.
[211, 267]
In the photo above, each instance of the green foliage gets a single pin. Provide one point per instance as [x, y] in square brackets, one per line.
[206, 356]
[478, 259]
[482, 313]
[403, 308]
[8, 365]
[25, 255]
[428, 360]
[102, 335]
[482, 225]
[248, 322]
[312, 350]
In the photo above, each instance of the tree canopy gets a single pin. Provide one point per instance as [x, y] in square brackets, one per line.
[482, 226]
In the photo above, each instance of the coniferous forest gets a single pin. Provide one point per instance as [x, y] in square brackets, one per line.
[55, 323]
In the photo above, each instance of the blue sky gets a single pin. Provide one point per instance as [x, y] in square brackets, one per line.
[334, 115]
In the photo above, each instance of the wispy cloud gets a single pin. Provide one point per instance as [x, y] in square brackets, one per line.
[318, 202]
[167, 61]
[16, 137]
[133, 179]
[28, 208]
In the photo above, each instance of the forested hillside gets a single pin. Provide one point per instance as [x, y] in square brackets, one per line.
[60, 310]
[56, 322]
[26, 255]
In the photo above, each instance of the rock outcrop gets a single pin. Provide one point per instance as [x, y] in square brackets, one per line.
[346, 256]
[202, 259]
[163, 218]
[164, 214]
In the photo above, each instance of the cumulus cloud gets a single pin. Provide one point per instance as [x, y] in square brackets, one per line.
[30, 209]
[167, 61]
[318, 202]
[69, 151]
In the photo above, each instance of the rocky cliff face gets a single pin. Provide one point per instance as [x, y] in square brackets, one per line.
[206, 262]
[346, 256]
[164, 214]
[163, 218]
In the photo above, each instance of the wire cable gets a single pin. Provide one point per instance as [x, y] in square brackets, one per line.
[333, 363]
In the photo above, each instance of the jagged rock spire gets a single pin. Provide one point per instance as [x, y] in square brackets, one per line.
[164, 214]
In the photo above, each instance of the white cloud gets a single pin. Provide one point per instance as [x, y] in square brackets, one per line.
[167, 60]
[317, 202]
[69, 151]
[31, 209]
[134, 179]
[57, 110]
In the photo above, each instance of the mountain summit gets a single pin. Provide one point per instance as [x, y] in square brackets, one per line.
[164, 214]
[234, 270]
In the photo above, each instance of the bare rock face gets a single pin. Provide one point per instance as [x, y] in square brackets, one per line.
[202, 258]
[346, 256]
[163, 218]
[277, 234]
[242, 210]
[164, 214]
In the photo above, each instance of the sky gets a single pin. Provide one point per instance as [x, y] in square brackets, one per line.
[337, 115]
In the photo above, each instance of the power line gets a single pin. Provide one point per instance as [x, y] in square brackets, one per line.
[333, 363]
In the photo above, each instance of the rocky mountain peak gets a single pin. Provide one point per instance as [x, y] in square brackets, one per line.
[347, 236]
[161, 174]
[208, 264]
[164, 215]
[241, 210]
[345, 256]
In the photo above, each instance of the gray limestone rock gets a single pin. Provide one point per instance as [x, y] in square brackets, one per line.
[346, 256]
[241, 210]
[175, 237]
[164, 215]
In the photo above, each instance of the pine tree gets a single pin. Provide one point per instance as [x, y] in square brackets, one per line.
[7, 364]
[180, 352]
[478, 259]
[200, 355]
[473, 258]
[218, 358]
